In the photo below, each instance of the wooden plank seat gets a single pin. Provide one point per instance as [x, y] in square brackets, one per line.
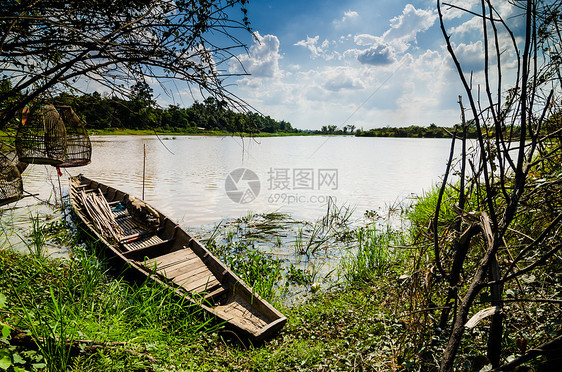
[143, 241]
[138, 235]
[184, 268]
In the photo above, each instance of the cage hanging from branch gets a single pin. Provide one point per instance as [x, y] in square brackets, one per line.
[41, 137]
[9, 151]
[11, 184]
[78, 145]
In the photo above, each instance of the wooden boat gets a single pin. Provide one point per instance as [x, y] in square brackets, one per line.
[168, 254]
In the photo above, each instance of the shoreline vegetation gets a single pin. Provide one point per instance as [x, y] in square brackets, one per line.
[140, 115]
[372, 313]
[386, 132]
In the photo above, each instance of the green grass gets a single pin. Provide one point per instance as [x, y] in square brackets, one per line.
[70, 304]
[332, 331]
[377, 251]
[59, 301]
[422, 211]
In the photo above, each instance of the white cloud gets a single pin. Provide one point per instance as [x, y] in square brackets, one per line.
[366, 39]
[405, 27]
[397, 39]
[376, 56]
[471, 56]
[340, 79]
[472, 24]
[407, 86]
[311, 44]
[262, 59]
[348, 16]
[316, 50]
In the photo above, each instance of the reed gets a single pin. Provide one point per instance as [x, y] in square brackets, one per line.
[36, 243]
[377, 250]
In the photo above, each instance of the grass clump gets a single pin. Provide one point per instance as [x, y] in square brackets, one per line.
[377, 251]
[66, 306]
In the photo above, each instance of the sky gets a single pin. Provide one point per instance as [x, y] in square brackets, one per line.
[360, 62]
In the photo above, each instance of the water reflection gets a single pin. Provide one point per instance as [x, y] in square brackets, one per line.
[185, 175]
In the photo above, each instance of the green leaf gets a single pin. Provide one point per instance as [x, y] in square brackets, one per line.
[5, 360]
[5, 331]
[2, 300]
[18, 359]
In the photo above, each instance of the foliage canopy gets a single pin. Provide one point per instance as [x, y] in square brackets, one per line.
[52, 45]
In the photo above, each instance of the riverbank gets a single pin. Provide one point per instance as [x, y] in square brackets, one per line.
[171, 133]
[380, 312]
[79, 315]
[111, 326]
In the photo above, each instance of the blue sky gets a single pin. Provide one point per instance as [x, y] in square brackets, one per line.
[361, 62]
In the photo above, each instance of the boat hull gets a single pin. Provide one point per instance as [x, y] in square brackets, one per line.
[172, 257]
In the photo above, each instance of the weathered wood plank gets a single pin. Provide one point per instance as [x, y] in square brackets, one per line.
[143, 242]
[184, 275]
[204, 279]
[180, 268]
[211, 293]
[203, 285]
[170, 258]
[191, 277]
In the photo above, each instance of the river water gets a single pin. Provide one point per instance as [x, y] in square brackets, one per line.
[201, 180]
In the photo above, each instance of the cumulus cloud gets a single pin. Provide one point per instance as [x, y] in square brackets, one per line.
[348, 16]
[340, 79]
[366, 39]
[413, 82]
[311, 43]
[376, 56]
[472, 24]
[397, 39]
[318, 50]
[471, 56]
[406, 26]
[262, 59]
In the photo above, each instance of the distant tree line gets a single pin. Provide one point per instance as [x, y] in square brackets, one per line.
[142, 112]
[433, 131]
[333, 129]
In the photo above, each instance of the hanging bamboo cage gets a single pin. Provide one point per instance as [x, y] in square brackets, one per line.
[11, 184]
[10, 152]
[41, 137]
[78, 145]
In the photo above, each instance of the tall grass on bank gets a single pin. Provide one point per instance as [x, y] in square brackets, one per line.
[422, 212]
[377, 250]
[68, 304]
[256, 268]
